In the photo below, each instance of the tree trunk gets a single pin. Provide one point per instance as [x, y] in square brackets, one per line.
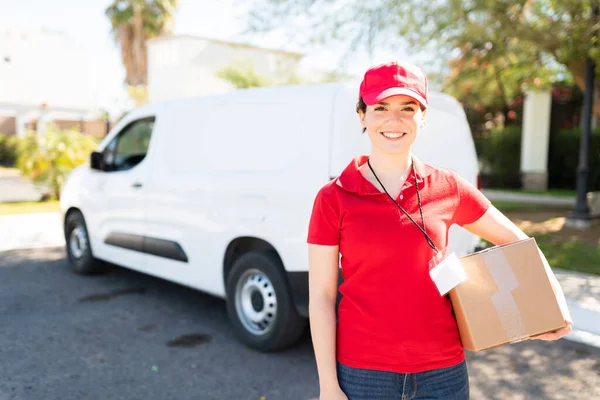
[139, 46]
[126, 39]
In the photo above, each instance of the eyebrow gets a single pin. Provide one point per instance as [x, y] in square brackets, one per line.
[383, 103]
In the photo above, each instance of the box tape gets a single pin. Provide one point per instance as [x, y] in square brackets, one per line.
[503, 300]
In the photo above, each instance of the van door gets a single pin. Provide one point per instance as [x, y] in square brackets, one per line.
[347, 140]
[116, 213]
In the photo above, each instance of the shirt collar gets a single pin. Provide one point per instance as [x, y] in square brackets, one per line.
[351, 179]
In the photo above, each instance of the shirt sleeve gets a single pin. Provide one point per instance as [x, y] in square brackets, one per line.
[472, 204]
[324, 226]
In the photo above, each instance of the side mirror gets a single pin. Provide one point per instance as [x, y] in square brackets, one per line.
[97, 161]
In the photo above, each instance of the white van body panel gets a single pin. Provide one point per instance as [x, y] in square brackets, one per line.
[243, 164]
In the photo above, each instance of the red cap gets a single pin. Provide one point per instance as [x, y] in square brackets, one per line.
[394, 78]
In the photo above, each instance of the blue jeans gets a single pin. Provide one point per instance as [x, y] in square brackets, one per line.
[450, 383]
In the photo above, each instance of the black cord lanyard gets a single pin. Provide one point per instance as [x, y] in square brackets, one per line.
[427, 238]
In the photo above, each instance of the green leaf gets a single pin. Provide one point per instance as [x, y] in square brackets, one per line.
[49, 160]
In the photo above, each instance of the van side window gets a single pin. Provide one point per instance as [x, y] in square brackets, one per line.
[129, 148]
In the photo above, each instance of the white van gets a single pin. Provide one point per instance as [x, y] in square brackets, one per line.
[216, 192]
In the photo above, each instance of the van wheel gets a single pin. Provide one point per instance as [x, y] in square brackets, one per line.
[79, 249]
[259, 303]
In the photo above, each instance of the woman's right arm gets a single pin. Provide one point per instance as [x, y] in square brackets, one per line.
[323, 287]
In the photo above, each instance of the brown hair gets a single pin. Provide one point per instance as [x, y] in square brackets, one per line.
[361, 106]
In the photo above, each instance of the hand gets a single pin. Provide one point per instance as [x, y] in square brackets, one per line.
[557, 334]
[335, 393]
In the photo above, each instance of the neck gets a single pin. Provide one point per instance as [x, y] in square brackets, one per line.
[394, 166]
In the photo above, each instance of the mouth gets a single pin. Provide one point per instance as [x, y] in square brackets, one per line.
[394, 136]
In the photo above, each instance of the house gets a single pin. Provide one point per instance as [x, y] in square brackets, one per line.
[45, 77]
[183, 65]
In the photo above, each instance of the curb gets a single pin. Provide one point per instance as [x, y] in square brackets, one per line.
[558, 201]
[10, 173]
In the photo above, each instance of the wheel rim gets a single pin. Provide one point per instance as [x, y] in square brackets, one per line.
[78, 242]
[256, 302]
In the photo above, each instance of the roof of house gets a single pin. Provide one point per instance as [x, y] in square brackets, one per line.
[226, 43]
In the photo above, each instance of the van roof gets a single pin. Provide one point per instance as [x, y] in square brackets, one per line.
[438, 100]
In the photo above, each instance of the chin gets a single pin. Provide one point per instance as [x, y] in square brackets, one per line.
[395, 149]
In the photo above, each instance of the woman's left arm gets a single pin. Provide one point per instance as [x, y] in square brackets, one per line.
[496, 228]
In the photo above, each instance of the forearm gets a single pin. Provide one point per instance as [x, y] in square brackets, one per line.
[323, 332]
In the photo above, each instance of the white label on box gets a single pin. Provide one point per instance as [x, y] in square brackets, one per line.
[448, 274]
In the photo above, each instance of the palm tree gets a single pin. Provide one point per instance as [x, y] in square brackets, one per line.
[134, 22]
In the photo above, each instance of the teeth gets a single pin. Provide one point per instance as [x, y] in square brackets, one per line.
[392, 135]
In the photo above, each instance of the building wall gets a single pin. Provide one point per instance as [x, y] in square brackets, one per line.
[187, 66]
[96, 128]
[44, 67]
[8, 125]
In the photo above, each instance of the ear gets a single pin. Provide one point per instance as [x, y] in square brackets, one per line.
[361, 115]
[423, 122]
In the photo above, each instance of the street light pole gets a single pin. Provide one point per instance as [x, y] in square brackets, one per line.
[580, 217]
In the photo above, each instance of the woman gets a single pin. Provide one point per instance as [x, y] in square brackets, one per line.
[387, 215]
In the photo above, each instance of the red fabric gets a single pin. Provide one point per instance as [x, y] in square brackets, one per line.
[391, 316]
[391, 79]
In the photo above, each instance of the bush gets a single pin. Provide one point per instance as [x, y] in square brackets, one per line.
[49, 159]
[563, 160]
[8, 150]
[499, 153]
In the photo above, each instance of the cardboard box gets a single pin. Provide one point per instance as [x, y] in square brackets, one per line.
[506, 298]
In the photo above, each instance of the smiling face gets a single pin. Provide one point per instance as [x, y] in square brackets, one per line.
[393, 124]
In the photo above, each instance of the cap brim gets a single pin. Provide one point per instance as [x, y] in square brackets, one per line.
[378, 96]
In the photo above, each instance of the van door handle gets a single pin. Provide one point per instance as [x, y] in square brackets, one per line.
[136, 185]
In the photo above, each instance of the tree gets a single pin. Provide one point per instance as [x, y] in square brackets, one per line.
[49, 159]
[495, 73]
[133, 23]
[500, 43]
[242, 74]
[491, 81]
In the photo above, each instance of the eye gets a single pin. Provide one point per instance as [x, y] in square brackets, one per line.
[380, 108]
[409, 109]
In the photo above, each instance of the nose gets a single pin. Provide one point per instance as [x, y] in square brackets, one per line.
[395, 116]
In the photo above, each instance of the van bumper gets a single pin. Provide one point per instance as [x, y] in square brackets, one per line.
[299, 286]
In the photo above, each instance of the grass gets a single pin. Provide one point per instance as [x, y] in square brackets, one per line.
[549, 192]
[505, 206]
[29, 207]
[570, 255]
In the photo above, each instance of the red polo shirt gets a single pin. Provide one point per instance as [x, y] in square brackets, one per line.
[391, 316]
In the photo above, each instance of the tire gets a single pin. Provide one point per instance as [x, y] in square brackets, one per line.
[260, 305]
[79, 248]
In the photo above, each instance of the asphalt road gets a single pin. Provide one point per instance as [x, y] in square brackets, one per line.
[125, 335]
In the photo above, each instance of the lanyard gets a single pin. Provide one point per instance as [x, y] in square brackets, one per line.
[427, 238]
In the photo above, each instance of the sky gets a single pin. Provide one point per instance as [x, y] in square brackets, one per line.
[84, 23]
